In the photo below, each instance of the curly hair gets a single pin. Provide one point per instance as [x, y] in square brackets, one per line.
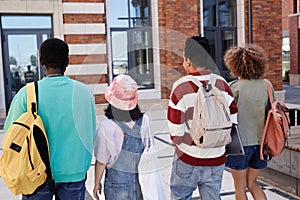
[246, 62]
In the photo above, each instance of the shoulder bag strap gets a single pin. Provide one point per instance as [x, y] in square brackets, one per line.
[270, 92]
[31, 98]
[32, 104]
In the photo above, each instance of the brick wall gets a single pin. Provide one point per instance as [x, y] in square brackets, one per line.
[294, 45]
[91, 58]
[267, 33]
[178, 19]
[287, 9]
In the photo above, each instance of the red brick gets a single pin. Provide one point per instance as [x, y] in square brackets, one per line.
[88, 59]
[85, 39]
[83, 18]
[90, 79]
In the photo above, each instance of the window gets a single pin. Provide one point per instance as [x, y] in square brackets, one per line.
[129, 13]
[219, 20]
[21, 38]
[26, 22]
[131, 40]
[285, 58]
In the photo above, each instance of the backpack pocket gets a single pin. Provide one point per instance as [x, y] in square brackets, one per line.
[37, 173]
[215, 137]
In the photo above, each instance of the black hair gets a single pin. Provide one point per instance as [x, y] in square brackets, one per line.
[112, 112]
[197, 50]
[54, 53]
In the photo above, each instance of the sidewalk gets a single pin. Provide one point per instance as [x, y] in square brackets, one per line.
[165, 154]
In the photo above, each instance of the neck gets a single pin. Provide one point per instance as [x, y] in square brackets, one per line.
[50, 72]
[193, 69]
[54, 75]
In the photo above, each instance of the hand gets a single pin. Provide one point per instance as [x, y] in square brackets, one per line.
[97, 191]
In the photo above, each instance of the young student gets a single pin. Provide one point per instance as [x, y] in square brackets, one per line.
[194, 166]
[67, 109]
[120, 141]
[250, 92]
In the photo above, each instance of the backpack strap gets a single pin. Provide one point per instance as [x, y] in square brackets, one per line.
[200, 85]
[194, 80]
[32, 96]
[232, 82]
[211, 81]
[270, 92]
[41, 141]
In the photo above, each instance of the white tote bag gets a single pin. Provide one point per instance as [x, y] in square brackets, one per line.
[150, 177]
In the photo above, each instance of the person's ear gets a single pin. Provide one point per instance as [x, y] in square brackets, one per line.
[188, 62]
[67, 62]
[41, 62]
[45, 68]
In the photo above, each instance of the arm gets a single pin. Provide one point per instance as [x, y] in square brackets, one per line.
[99, 170]
[17, 107]
[177, 111]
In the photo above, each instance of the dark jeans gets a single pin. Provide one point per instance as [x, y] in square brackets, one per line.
[66, 191]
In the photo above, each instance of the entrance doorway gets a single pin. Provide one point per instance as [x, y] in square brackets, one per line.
[219, 20]
[21, 38]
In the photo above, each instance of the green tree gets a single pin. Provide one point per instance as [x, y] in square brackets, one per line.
[12, 60]
[33, 60]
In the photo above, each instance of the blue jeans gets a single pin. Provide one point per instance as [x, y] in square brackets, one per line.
[66, 191]
[186, 178]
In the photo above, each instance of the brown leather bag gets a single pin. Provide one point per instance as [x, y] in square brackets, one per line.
[276, 127]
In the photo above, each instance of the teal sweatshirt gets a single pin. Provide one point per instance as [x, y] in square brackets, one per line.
[67, 109]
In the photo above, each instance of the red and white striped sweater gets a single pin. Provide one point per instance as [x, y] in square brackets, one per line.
[181, 105]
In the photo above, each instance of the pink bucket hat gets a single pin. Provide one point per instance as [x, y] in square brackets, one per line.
[122, 93]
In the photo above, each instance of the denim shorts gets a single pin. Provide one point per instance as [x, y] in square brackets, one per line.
[250, 159]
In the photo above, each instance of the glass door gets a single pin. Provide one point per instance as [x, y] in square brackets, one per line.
[22, 60]
[20, 44]
[219, 19]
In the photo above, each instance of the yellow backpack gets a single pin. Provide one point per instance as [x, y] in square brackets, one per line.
[24, 163]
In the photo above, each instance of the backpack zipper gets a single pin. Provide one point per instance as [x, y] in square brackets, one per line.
[29, 156]
[216, 129]
[24, 125]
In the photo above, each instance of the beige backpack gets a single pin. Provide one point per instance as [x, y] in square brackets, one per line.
[211, 124]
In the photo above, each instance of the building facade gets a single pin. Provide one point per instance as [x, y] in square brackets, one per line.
[143, 38]
[291, 39]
